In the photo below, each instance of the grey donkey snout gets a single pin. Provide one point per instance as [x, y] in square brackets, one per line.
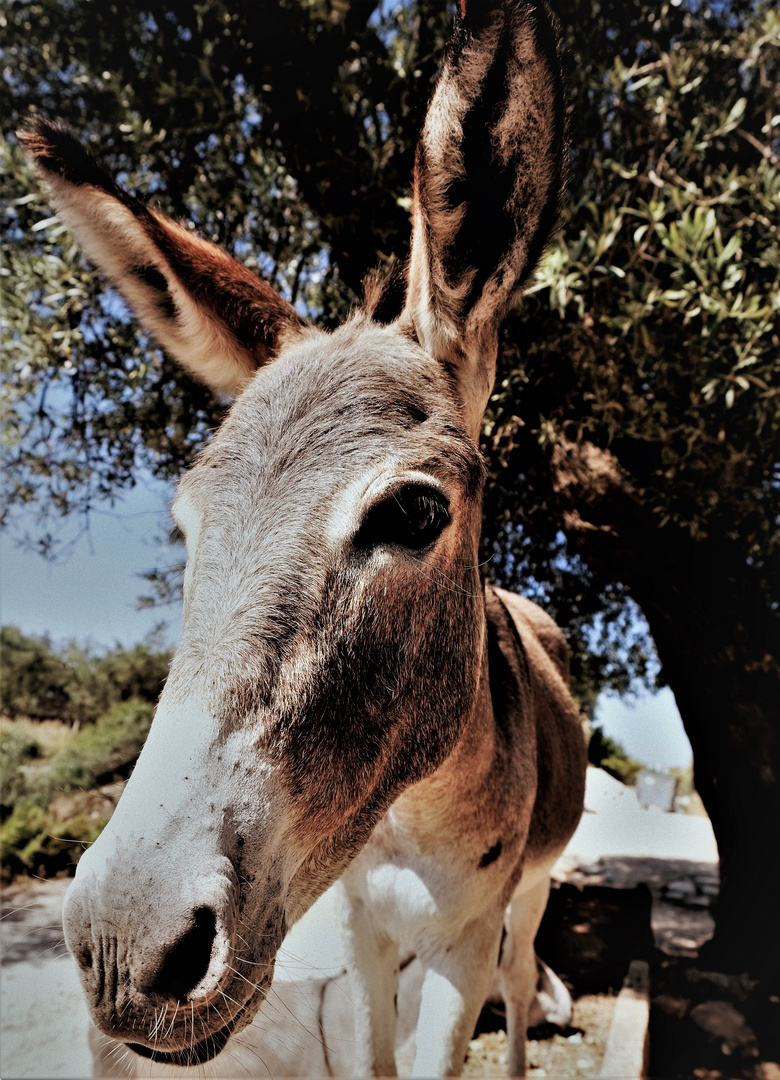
[168, 944]
[172, 969]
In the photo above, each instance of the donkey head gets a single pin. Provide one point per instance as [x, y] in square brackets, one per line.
[332, 645]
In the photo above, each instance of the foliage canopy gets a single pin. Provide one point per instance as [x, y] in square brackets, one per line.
[285, 131]
[665, 278]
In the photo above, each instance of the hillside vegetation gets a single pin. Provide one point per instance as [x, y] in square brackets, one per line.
[73, 724]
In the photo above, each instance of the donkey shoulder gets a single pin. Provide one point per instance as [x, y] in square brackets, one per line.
[531, 621]
[542, 665]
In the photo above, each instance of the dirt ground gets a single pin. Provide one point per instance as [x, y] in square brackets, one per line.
[631, 882]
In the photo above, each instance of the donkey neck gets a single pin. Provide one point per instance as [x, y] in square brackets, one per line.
[476, 781]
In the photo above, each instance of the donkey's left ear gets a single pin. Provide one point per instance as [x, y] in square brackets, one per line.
[488, 185]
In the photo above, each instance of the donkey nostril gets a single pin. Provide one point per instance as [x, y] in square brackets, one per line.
[189, 959]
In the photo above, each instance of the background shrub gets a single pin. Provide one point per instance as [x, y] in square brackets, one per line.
[73, 684]
[104, 751]
[32, 839]
[32, 843]
[610, 756]
[16, 748]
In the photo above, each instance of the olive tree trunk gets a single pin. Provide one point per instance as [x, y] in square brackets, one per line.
[718, 638]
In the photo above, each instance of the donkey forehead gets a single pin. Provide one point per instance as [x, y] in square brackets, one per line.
[333, 408]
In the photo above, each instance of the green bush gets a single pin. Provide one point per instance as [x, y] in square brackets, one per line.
[73, 684]
[93, 756]
[27, 821]
[610, 756]
[16, 748]
[31, 842]
[33, 678]
[98, 753]
[136, 673]
[622, 767]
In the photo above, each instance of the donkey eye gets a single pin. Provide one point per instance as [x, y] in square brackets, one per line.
[412, 517]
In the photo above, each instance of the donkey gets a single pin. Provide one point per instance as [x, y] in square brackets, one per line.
[350, 701]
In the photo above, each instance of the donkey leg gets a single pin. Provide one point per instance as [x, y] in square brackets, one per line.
[517, 969]
[372, 966]
[455, 984]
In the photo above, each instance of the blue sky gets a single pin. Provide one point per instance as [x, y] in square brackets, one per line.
[92, 595]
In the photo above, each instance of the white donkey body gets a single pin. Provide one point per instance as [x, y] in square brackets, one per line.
[349, 701]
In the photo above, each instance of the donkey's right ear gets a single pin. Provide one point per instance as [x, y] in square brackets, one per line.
[488, 185]
[208, 311]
